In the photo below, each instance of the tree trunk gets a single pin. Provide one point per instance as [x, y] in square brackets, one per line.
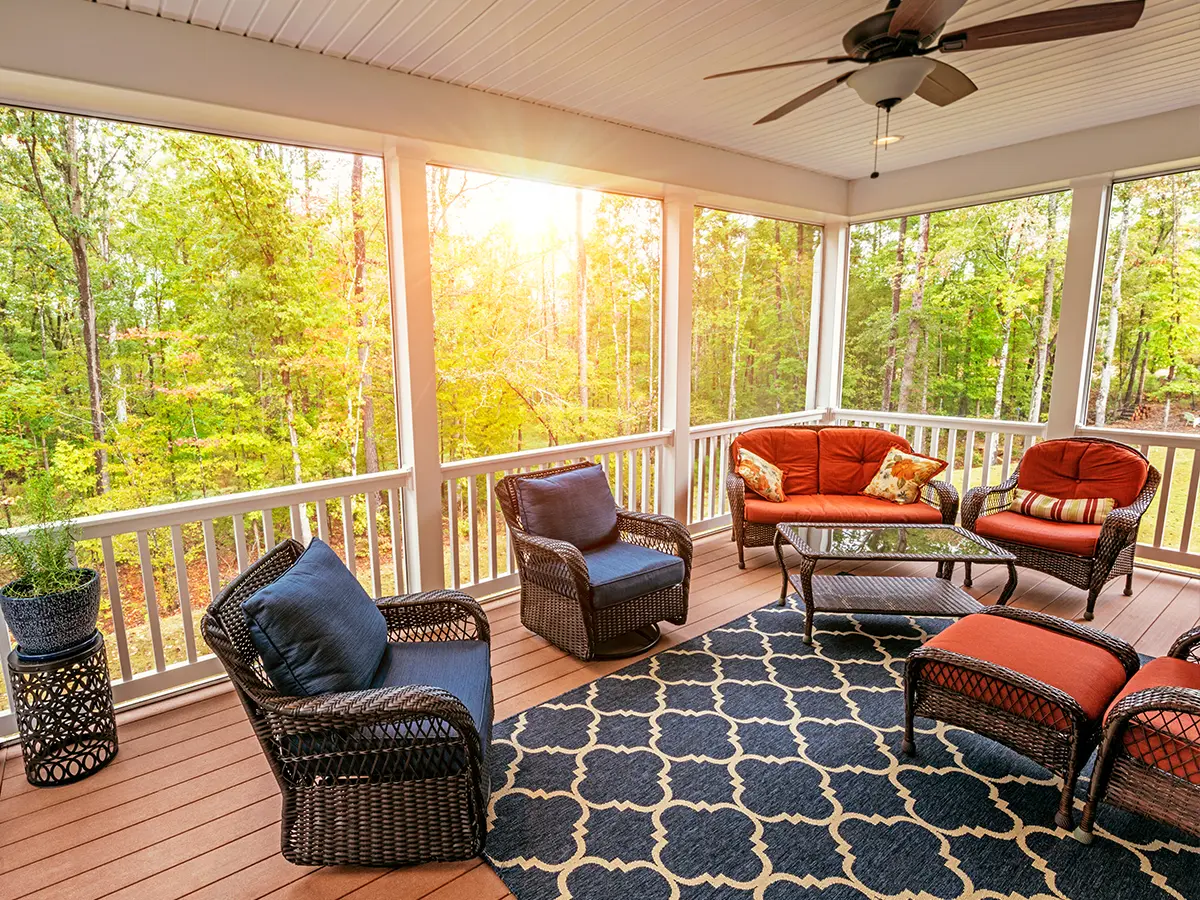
[1042, 345]
[87, 302]
[581, 297]
[914, 318]
[1005, 344]
[366, 401]
[737, 333]
[889, 368]
[1107, 368]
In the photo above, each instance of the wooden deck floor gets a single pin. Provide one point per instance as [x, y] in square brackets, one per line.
[189, 808]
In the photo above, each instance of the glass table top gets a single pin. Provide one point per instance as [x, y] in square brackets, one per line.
[927, 543]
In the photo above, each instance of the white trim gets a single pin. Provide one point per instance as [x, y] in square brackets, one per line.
[482, 465]
[828, 317]
[675, 352]
[1081, 277]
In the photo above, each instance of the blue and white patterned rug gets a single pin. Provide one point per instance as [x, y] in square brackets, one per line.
[744, 764]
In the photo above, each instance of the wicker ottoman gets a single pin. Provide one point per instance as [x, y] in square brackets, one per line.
[1033, 682]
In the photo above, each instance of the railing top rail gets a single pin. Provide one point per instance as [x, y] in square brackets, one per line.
[185, 512]
[482, 465]
[1151, 438]
[928, 421]
[808, 415]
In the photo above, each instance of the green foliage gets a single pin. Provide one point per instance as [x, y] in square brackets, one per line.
[979, 330]
[40, 560]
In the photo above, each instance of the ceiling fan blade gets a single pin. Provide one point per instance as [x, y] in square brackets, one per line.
[945, 84]
[923, 17]
[782, 65]
[793, 105]
[1054, 25]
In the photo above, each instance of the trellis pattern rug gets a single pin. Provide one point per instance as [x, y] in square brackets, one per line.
[744, 764]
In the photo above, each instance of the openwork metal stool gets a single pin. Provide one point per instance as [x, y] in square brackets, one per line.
[64, 710]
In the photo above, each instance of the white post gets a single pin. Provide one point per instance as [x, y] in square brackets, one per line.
[675, 394]
[825, 337]
[1073, 348]
[415, 367]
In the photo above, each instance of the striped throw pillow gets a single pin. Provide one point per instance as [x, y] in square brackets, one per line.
[1091, 511]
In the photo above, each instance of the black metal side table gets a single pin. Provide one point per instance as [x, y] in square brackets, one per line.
[64, 710]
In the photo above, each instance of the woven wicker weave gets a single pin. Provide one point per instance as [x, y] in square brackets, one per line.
[556, 596]
[1031, 730]
[1156, 790]
[938, 494]
[382, 777]
[1115, 548]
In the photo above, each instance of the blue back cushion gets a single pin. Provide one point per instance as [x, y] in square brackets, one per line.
[315, 628]
[575, 506]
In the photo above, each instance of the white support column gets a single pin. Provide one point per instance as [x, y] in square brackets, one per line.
[825, 335]
[415, 367]
[1076, 319]
[675, 395]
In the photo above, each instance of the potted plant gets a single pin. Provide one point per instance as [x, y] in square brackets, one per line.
[51, 605]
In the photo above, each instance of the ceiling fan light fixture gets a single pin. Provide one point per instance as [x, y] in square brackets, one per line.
[884, 140]
[891, 79]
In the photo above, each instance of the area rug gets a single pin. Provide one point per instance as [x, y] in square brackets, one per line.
[744, 764]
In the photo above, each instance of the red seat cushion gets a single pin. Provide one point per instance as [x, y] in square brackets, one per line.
[1167, 740]
[1066, 537]
[1078, 470]
[836, 508]
[792, 450]
[1089, 673]
[850, 457]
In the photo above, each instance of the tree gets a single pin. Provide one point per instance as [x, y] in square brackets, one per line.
[889, 368]
[1046, 317]
[908, 368]
[1109, 334]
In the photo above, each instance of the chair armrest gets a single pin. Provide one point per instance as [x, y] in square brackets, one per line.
[657, 532]
[1121, 525]
[1123, 651]
[1154, 709]
[942, 496]
[435, 616]
[555, 565]
[986, 501]
[1187, 646]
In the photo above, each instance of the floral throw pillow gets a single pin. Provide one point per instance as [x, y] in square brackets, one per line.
[763, 478]
[902, 475]
[1042, 506]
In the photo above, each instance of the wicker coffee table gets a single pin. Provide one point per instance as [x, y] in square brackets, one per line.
[942, 544]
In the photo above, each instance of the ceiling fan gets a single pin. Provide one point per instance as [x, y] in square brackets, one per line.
[893, 48]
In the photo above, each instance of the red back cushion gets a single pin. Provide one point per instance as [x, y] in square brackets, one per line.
[1077, 470]
[850, 457]
[792, 450]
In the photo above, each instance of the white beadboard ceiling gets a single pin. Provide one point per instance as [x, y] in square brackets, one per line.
[640, 63]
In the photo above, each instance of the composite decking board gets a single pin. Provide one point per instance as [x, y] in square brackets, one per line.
[237, 854]
[1177, 618]
[125, 817]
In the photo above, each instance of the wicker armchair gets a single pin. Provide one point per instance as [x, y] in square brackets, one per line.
[380, 777]
[1149, 761]
[940, 495]
[557, 596]
[1115, 548]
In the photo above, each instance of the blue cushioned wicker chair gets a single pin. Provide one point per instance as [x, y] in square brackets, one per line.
[595, 580]
[388, 774]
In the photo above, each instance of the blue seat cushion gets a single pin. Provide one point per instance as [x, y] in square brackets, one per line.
[575, 506]
[621, 571]
[462, 668]
[315, 628]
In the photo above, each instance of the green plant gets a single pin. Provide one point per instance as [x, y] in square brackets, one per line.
[40, 558]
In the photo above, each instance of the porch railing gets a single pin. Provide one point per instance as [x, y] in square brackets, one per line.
[161, 565]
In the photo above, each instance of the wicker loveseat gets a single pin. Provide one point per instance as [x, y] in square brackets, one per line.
[825, 469]
[1086, 556]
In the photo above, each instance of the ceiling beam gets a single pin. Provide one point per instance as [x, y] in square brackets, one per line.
[143, 63]
[1136, 146]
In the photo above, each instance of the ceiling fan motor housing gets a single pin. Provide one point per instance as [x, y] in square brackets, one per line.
[869, 39]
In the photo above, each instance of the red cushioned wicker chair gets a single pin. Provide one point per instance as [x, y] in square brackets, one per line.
[1086, 556]
[1149, 762]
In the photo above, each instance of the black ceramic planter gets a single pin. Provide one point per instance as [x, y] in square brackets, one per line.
[52, 623]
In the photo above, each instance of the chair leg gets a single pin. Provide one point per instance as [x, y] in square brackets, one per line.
[1090, 612]
[741, 556]
[1129, 585]
[967, 575]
